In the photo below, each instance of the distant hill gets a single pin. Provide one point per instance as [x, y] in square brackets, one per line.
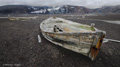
[23, 9]
[108, 9]
[15, 9]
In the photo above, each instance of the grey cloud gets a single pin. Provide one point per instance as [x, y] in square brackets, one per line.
[86, 3]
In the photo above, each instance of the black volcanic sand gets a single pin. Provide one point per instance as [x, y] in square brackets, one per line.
[19, 45]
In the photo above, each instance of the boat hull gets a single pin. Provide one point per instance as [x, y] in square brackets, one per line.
[86, 43]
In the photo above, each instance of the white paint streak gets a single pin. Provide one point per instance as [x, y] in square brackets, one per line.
[113, 22]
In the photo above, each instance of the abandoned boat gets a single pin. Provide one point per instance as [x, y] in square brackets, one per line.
[80, 38]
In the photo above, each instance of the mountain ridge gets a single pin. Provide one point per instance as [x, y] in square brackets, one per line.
[65, 9]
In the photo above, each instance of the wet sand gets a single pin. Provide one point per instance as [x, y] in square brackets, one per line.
[19, 45]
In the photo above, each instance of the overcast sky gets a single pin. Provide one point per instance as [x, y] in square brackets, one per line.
[86, 3]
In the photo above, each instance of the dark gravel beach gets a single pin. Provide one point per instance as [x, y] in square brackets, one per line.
[19, 46]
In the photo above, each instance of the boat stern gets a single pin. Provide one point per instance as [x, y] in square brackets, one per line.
[98, 39]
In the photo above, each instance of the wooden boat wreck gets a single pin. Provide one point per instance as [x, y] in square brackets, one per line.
[80, 38]
[21, 18]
